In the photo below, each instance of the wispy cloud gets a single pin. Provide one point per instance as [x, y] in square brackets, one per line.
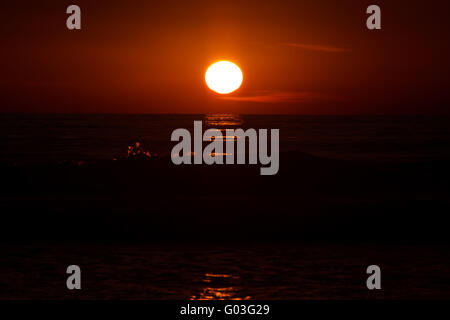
[315, 47]
[276, 97]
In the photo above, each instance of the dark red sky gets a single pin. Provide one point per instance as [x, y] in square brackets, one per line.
[302, 57]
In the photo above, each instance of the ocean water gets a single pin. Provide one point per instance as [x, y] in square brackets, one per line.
[217, 272]
[259, 270]
[29, 138]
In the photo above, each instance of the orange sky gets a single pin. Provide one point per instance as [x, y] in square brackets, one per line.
[301, 57]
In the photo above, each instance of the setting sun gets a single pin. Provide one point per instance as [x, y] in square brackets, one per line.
[223, 77]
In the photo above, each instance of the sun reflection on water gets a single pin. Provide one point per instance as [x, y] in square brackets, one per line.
[223, 120]
[219, 287]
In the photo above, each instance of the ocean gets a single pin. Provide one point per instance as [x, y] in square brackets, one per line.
[225, 272]
[27, 138]
[153, 230]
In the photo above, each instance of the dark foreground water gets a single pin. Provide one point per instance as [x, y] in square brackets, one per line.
[224, 232]
[202, 271]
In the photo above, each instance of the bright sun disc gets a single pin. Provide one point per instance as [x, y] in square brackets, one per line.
[223, 77]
